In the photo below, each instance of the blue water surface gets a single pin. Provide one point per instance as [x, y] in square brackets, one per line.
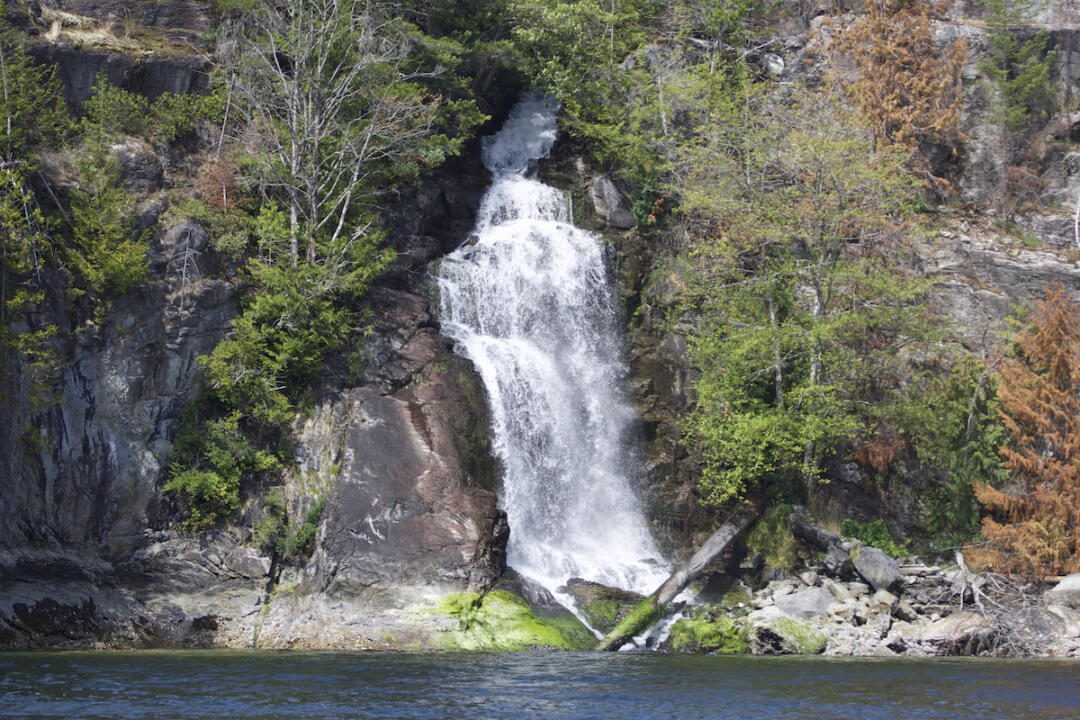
[524, 686]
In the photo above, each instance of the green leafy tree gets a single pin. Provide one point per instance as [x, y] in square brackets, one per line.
[216, 457]
[111, 111]
[1018, 64]
[339, 94]
[802, 297]
[24, 248]
[950, 417]
[31, 107]
[575, 51]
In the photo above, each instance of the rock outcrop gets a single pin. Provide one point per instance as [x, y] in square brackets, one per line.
[395, 445]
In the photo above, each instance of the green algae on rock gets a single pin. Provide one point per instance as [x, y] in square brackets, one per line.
[603, 607]
[700, 634]
[500, 620]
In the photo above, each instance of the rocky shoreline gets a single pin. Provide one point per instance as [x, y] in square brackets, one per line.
[858, 601]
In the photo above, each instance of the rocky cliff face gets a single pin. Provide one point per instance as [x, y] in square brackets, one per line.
[399, 455]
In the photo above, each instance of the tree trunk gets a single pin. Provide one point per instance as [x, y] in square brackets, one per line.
[652, 608]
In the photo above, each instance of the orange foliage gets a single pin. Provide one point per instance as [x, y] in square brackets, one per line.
[1033, 524]
[907, 87]
[218, 183]
[880, 451]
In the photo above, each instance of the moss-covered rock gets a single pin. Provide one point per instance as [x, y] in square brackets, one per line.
[773, 633]
[738, 596]
[702, 634]
[500, 620]
[636, 622]
[603, 607]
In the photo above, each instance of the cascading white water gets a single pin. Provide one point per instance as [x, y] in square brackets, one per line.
[530, 303]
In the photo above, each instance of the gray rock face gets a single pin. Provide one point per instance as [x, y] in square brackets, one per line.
[410, 505]
[609, 204]
[402, 512]
[140, 169]
[94, 478]
[877, 568]
[78, 69]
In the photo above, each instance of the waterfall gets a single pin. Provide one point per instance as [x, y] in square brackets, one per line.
[529, 301]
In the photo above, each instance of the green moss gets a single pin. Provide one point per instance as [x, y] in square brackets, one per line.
[772, 539]
[803, 638]
[500, 620]
[737, 594]
[602, 614]
[702, 635]
[637, 621]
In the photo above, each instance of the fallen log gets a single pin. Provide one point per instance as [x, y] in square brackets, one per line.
[804, 529]
[652, 608]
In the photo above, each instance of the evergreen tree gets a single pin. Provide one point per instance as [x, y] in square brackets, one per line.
[1019, 63]
[1033, 520]
[908, 88]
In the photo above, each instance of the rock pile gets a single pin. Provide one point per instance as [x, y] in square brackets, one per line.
[859, 601]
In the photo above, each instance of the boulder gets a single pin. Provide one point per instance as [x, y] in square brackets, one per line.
[884, 600]
[904, 611]
[609, 205]
[808, 603]
[771, 632]
[877, 568]
[1066, 592]
[702, 634]
[603, 607]
[247, 563]
[774, 65]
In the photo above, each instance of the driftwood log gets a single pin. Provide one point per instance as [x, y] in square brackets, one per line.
[652, 608]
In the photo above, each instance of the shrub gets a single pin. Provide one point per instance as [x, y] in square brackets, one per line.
[874, 534]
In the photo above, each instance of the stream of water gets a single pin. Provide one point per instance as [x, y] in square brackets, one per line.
[529, 300]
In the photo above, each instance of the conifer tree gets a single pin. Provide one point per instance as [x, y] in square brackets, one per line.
[1033, 523]
[907, 87]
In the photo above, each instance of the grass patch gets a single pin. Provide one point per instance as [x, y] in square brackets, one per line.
[771, 538]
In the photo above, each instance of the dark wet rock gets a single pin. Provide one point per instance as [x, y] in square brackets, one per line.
[149, 76]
